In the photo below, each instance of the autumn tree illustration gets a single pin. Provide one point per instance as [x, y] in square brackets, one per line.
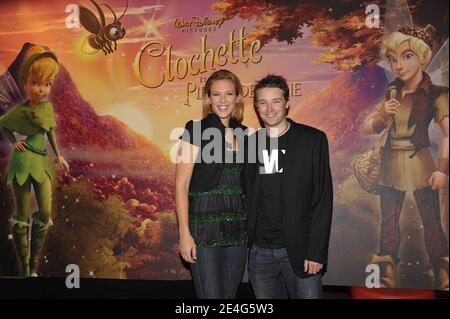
[338, 25]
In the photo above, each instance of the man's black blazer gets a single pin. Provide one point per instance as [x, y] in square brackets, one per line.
[307, 195]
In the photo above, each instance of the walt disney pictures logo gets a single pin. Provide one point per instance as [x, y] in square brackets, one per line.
[199, 24]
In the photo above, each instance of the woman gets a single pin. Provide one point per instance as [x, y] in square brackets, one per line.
[29, 164]
[407, 164]
[210, 211]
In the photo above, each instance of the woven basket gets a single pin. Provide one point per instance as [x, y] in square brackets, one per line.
[367, 171]
[367, 168]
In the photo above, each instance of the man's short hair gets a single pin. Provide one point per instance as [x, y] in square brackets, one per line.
[272, 81]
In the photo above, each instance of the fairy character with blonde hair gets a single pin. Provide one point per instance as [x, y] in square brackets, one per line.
[29, 165]
[407, 162]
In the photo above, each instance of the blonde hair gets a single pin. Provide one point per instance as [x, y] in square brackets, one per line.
[43, 69]
[418, 46]
[238, 111]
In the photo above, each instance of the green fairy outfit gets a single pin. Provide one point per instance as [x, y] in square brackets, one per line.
[30, 167]
[32, 122]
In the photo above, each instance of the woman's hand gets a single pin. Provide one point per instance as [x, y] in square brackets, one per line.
[188, 249]
[21, 146]
[391, 107]
[437, 180]
[63, 163]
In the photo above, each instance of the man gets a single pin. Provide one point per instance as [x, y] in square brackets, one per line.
[289, 199]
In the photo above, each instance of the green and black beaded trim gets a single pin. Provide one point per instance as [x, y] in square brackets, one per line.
[220, 190]
[232, 169]
[222, 243]
[211, 218]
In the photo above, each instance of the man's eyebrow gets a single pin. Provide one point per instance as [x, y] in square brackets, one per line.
[274, 99]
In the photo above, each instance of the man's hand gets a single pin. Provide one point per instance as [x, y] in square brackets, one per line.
[312, 267]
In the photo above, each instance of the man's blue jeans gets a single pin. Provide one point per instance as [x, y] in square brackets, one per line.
[272, 277]
[218, 271]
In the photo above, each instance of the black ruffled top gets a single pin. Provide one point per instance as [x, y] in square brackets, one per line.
[218, 217]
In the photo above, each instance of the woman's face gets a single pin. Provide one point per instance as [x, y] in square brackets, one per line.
[404, 62]
[223, 98]
[37, 89]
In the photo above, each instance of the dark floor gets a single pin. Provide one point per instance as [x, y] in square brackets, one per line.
[13, 288]
[114, 288]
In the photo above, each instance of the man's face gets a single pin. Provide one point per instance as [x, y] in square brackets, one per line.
[404, 62]
[37, 89]
[271, 106]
